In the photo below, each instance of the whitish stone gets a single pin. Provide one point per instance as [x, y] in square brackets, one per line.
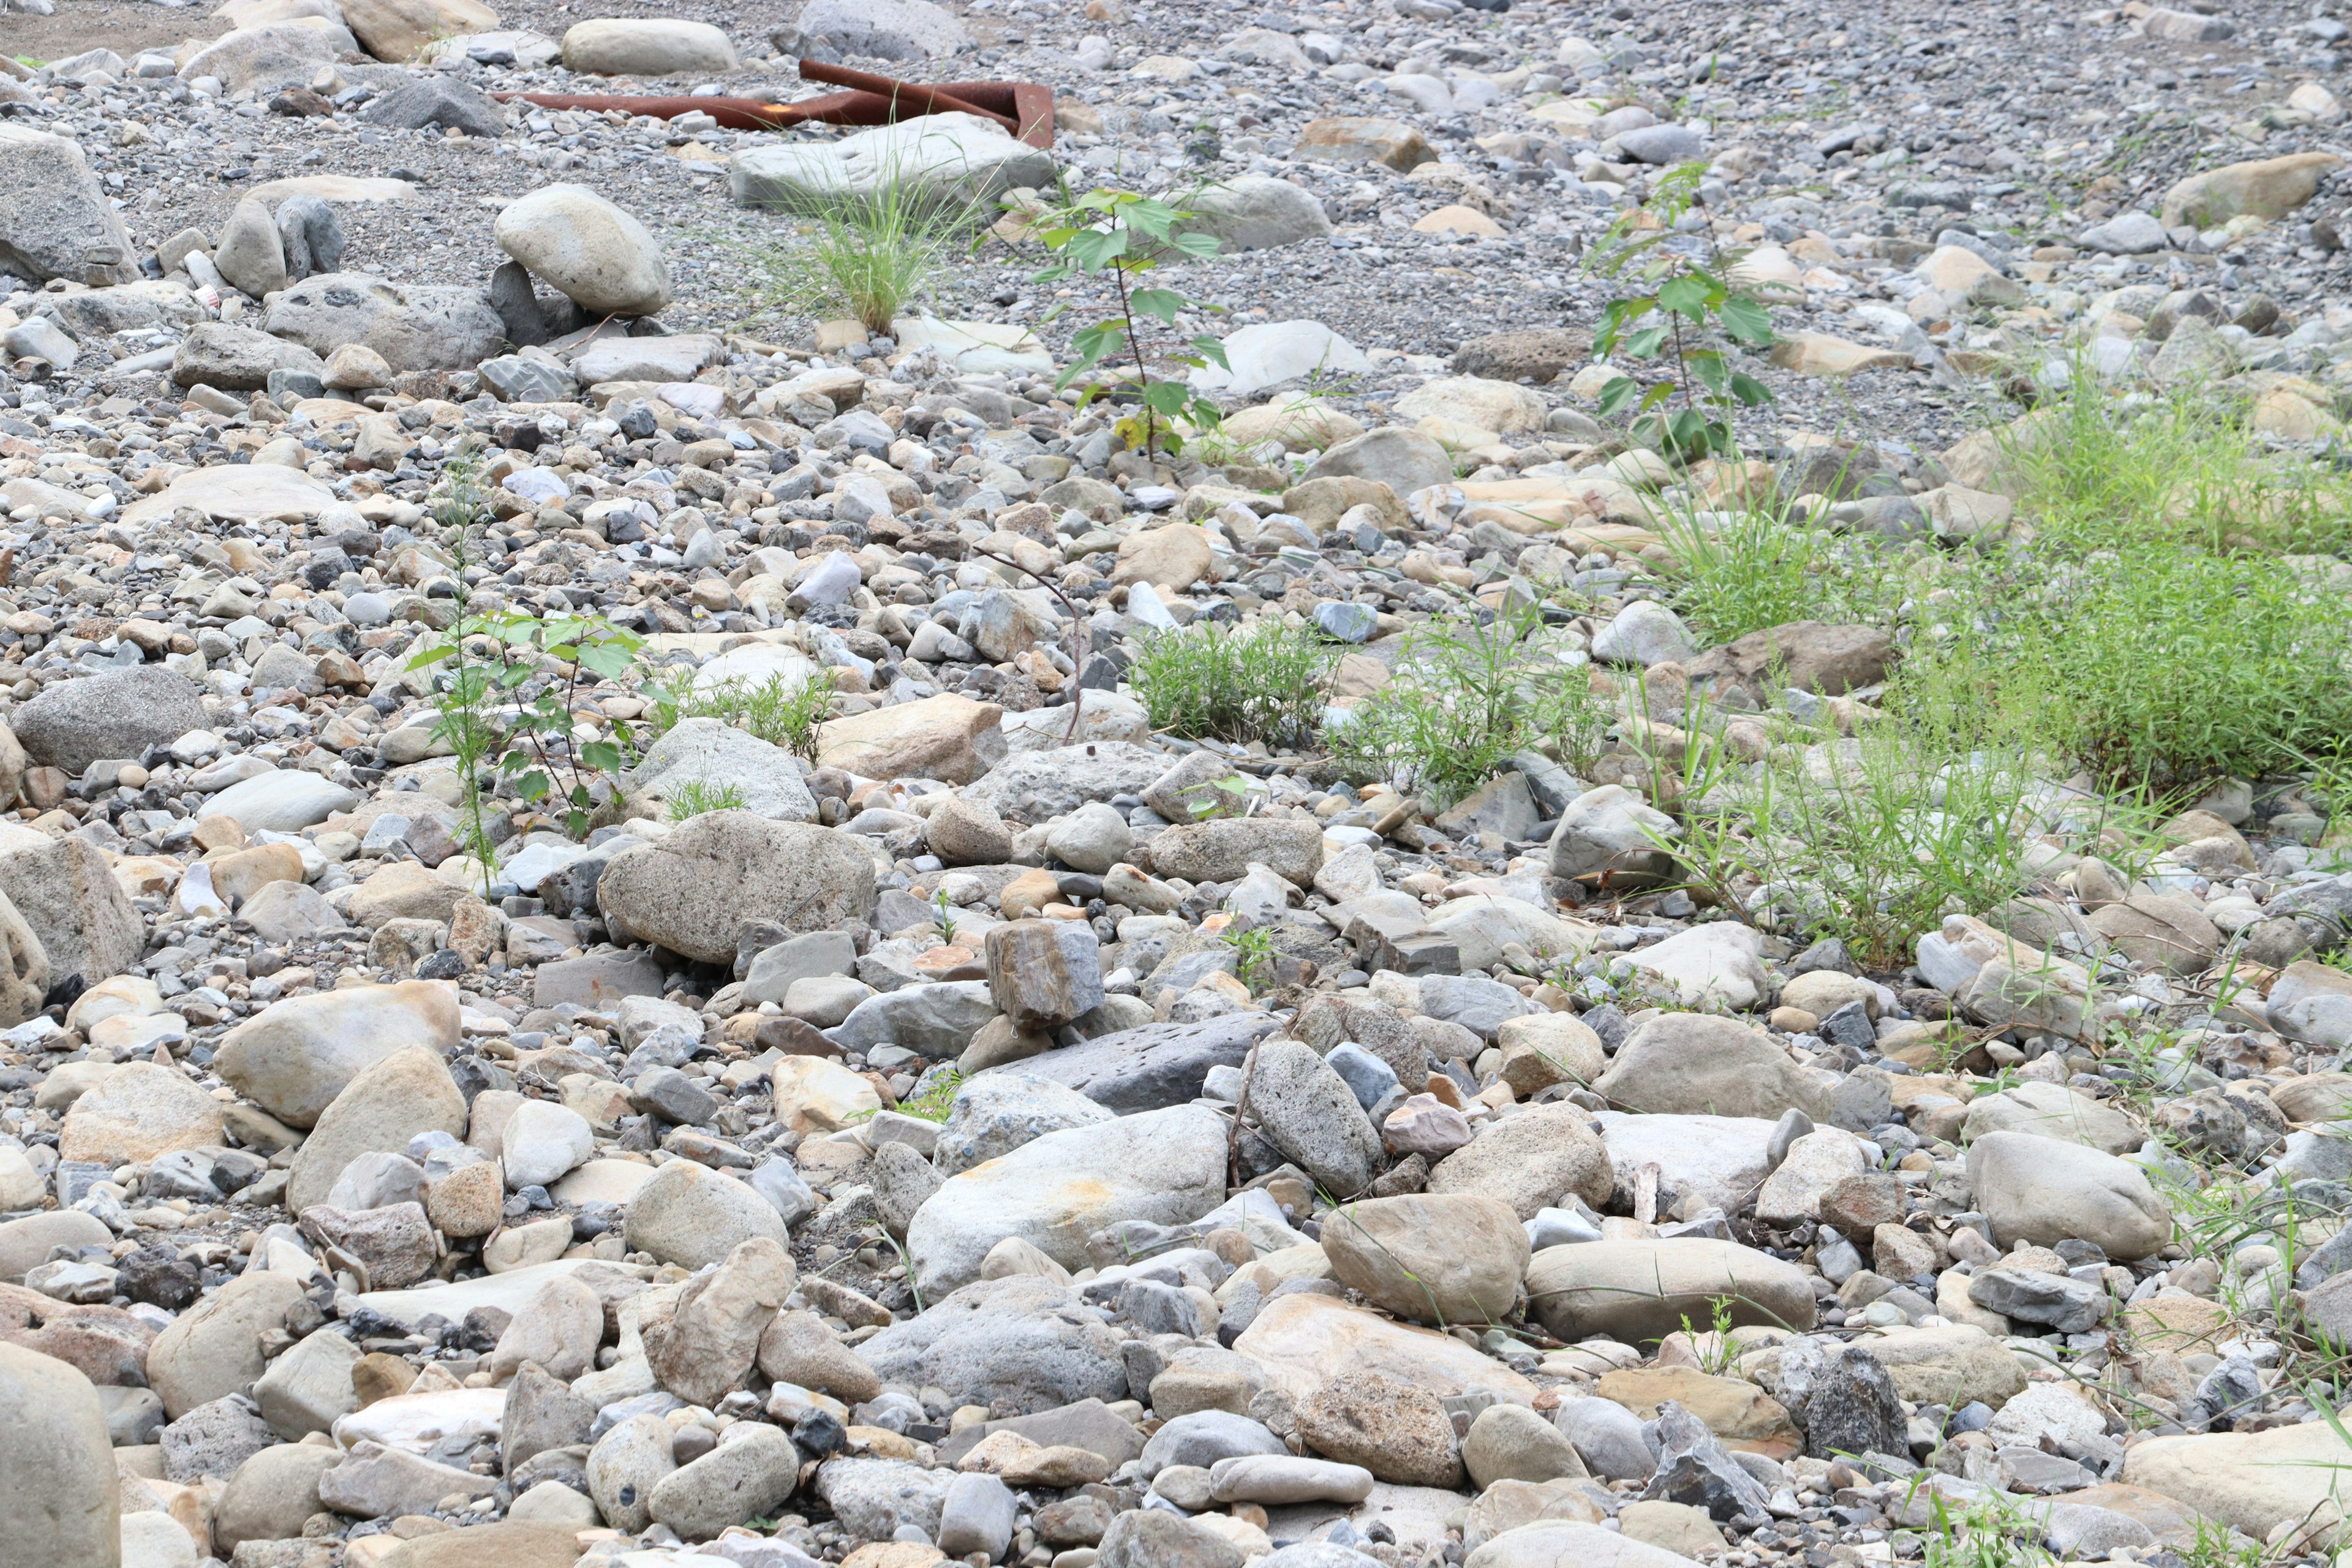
[582, 244]
[1166, 1166]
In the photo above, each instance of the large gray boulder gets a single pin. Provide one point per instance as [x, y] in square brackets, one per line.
[390, 1103]
[996, 1112]
[55, 220]
[66, 895]
[1637, 1290]
[587, 248]
[414, 327]
[949, 162]
[117, 716]
[64, 1504]
[1148, 1068]
[891, 29]
[1404, 460]
[1696, 1064]
[691, 1215]
[230, 358]
[296, 1056]
[697, 888]
[2045, 1191]
[1018, 1339]
[1258, 212]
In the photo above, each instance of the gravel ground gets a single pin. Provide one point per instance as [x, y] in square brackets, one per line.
[991, 1124]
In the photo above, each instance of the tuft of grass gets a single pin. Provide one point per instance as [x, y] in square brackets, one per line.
[2100, 471]
[1468, 691]
[2174, 667]
[780, 711]
[1263, 683]
[869, 256]
[1750, 571]
[1874, 837]
[697, 797]
[937, 1096]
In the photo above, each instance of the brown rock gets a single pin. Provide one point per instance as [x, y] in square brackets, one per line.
[1808, 655]
[1400, 1433]
[1739, 1412]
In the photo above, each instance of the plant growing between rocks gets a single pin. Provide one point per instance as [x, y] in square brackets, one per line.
[1468, 691]
[1689, 309]
[1266, 682]
[698, 796]
[1121, 236]
[867, 256]
[522, 690]
[780, 711]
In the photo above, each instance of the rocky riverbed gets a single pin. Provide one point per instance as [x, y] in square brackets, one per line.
[985, 1070]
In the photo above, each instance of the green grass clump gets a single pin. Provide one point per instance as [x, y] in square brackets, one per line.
[697, 797]
[2097, 471]
[780, 711]
[1265, 683]
[869, 256]
[2173, 668]
[1467, 693]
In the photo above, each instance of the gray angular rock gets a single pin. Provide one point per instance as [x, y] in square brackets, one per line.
[272, 1494]
[1044, 974]
[1853, 1408]
[437, 104]
[872, 1499]
[1012, 1340]
[1146, 1069]
[73, 723]
[213, 1439]
[55, 218]
[938, 1019]
[1155, 1538]
[540, 1414]
[414, 327]
[996, 1112]
[310, 235]
[1608, 1437]
[940, 161]
[1695, 1469]
[696, 890]
[2070, 1306]
[1306, 1111]
[231, 358]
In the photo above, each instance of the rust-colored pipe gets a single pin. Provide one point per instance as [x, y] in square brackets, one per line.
[1030, 104]
[925, 100]
[735, 113]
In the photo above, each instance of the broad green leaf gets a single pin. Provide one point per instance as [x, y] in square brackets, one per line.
[1748, 321]
[1687, 297]
[1160, 303]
